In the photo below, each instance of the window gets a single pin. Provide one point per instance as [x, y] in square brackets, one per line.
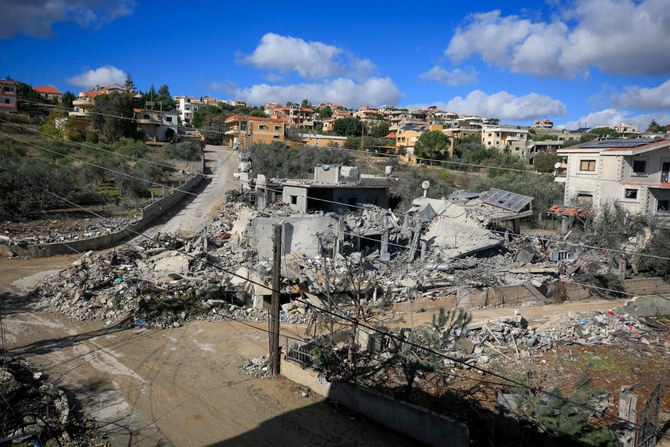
[663, 206]
[587, 165]
[168, 119]
[586, 199]
[6, 101]
[640, 166]
[262, 127]
[294, 200]
[630, 193]
[277, 127]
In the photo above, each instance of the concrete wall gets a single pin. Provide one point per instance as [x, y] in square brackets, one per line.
[496, 296]
[300, 195]
[411, 420]
[298, 234]
[149, 213]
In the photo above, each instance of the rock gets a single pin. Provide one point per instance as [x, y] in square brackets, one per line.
[465, 345]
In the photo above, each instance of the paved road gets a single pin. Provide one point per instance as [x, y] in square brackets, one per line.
[195, 211]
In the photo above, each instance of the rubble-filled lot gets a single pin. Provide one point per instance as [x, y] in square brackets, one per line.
[59, 229]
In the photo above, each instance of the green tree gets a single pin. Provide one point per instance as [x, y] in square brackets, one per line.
[105, 112]
[325, 113]
[205, 116]
[305, 104]
[431, 144]
[544, 162]
[165, 99]
[349, 126]
[68, 99]
[381, 130]
[130, 85]
[605, 131]
[654, 127]
[258, 113]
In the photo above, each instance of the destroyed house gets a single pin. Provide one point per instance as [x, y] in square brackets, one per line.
[334, 188]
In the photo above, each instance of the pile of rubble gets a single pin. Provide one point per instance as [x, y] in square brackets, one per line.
[40, 411]
[255, 367]
[511, 338]
[61, 230]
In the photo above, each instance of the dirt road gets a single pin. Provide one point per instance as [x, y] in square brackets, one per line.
[196, 211]
[172, 387]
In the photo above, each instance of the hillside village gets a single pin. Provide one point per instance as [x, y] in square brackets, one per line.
[420, 251]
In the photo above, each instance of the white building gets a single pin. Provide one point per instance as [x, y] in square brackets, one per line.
[632, 172]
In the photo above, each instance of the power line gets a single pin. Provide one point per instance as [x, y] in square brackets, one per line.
[96, 165]
[391, 335]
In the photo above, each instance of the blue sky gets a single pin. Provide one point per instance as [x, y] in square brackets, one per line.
[597, 62]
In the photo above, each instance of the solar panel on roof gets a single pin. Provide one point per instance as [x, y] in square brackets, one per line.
[620, 142]
[505, 199]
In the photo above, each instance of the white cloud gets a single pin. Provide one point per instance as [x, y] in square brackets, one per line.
[35, 17]
[505, 106]
[310, 60]
[642, 98]
[340, 91]
[612, 117]
[451, 78]
[617, 36]
[272, 77]
[102, 76]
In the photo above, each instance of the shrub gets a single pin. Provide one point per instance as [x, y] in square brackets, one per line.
[187, 150]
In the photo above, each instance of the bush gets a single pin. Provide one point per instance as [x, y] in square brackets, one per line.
[132, 148]
[92, 136]
[187, 150]
[278, 160]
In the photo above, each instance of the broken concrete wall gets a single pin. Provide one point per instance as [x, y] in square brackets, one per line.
[299, 234]
[295, 197]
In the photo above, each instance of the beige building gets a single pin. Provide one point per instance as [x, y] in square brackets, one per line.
[252, 129]
[632, 172]
[49, 93]
[627, 130]
[314, 139]
[8, 94]
[506, 138]
[543, 124]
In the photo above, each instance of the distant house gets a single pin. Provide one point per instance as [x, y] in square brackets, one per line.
[252, 129]
[8, 94]
[187, 106]
[405, 140]
[632, 172]
[314, 139]
[157, 125]
[295, 116]
[238, 102]
[543, 124]
[49, 93]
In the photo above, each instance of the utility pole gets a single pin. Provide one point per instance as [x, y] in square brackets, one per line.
[362, 134]
[274, 310]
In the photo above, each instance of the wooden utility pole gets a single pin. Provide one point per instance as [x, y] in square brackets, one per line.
[274, 310]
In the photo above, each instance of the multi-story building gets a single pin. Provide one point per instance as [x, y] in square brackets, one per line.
[633, 172]
[367, 113]
[238, 103]
[510, 138]
[627, 130]
[84, 103]
[8, 93]
[270, 106]
[405, 140]
[543, 124]
[295, 116]
[49, 93]
[252, 129]
[187, 106]
[402, 118]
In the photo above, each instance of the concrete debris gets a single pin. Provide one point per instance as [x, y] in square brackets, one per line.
[40, 411]
[255, 367]
[50, 231]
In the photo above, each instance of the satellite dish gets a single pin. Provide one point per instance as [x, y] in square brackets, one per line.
[557, 165]
[425, 184]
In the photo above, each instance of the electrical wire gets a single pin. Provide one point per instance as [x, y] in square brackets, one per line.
[394, 336]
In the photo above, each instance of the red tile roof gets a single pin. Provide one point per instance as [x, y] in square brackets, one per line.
[88, 93]
[390, 135]
[47, 89]
[252, 118]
